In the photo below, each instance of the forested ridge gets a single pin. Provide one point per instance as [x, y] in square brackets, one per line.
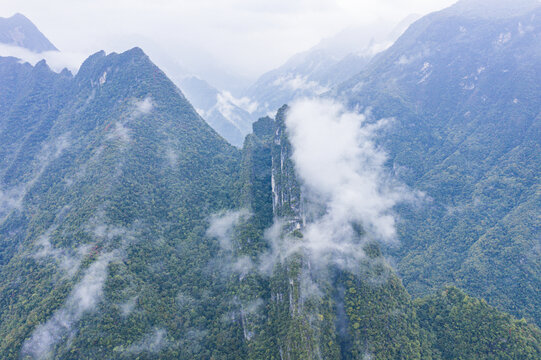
[462, 86]
[130, 229]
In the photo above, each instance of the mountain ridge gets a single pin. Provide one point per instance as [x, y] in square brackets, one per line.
[130, 229]
[462, 92]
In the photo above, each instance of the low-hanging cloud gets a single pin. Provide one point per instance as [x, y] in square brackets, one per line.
[347, 186]
[11, 198]
[120, 129]
[222, 226]
[88, 292]
[349, 194]
[83, 298]
[144, 106]
[56, 60]
[245, 103]
[296, 82]
[152, 342]
[119, 132]
[68, 260]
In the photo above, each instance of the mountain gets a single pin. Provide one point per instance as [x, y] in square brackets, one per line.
[107, 179]
[462, 86]
[484, 332]
[331, 62]
[19, 31]
[219, 108]
[300, 309]
[130, 229]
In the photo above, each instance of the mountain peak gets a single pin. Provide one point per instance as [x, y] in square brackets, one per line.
[18, 30]
[100, 62]
[19, 16]
[135, 52]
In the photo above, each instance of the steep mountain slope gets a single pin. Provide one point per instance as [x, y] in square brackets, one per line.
[292, 307]
[218, 108]
[19, 31]
[314, 312]
[463, 87]
[107, 179]
[484, 333]
[117, 237]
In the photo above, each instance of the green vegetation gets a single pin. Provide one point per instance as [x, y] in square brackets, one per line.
[460, 327]
[466, 132]
[110, 184]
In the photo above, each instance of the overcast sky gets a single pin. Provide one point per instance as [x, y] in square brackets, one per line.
[243, 37]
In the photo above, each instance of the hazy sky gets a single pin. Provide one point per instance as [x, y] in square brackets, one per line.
[244, 37]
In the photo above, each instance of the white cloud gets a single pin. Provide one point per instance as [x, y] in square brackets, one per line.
[83, 298]
[244, 103]
[119, 131]
[144, 106]
[152, 342]
[172, 157]
[11, 199]
[344, 179]
[56, 60]
[226, 108]
[223, 225]
[127, 307]
[68, 260]
[296, 82]
[86, 294]
[281, 247]
[104, 232]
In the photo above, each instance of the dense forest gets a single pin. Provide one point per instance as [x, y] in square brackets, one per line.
[130, 229]
[462, 86]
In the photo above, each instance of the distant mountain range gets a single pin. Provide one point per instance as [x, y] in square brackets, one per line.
[219, 108]
[318, 70]
[310, 73]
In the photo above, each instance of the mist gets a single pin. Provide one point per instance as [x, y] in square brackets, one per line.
[152, 342]
[223, 42]
[350, 195]
[12, 197]
[56, 60]
[83, 298]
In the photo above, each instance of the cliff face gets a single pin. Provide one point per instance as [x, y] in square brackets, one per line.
[294, 306]
[286, 192]
[312, 311]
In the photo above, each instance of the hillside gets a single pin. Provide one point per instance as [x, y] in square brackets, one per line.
[130, 229]
[463, 88]
[107, 179]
